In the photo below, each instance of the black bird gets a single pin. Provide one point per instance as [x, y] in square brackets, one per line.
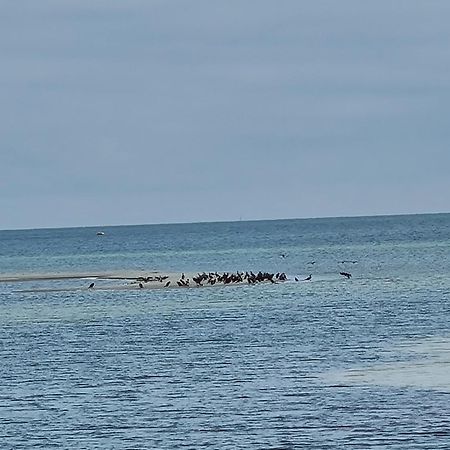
[296, 279]
[167, 284]
[141, 285]
[308, 278]
[345, 274]
[91, 285]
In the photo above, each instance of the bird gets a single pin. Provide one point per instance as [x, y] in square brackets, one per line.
[308, 278]
[91, 285]
[345, 274]
[141, 285]
[296, 279]
[167, 284]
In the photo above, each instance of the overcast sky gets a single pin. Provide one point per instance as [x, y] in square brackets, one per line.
[130, 112]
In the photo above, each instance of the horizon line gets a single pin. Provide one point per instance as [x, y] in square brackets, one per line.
[227, 221]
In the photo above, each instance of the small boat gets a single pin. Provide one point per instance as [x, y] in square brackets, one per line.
[100, 233]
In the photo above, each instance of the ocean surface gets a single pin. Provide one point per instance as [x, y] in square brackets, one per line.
[359, 363]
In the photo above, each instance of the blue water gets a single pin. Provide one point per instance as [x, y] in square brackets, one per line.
[235, 367]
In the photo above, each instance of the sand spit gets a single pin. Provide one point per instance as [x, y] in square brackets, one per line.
[70, 276]
[142, 280]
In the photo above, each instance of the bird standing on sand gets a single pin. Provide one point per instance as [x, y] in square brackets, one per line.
[91, 286]
[167, 284]
[141, 285]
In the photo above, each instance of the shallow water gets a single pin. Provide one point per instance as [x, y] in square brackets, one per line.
[331, 363]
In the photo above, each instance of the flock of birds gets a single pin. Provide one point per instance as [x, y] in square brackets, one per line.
[212, 278]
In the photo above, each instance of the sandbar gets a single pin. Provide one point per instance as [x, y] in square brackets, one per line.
[126, 280]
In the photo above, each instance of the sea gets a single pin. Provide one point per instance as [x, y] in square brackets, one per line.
[330, 363]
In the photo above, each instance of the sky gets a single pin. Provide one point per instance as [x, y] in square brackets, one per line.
[158, 111]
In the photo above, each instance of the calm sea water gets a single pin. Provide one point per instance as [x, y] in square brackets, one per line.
[332, 363]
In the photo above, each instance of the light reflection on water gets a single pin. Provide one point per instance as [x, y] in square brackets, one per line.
[427, 368]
